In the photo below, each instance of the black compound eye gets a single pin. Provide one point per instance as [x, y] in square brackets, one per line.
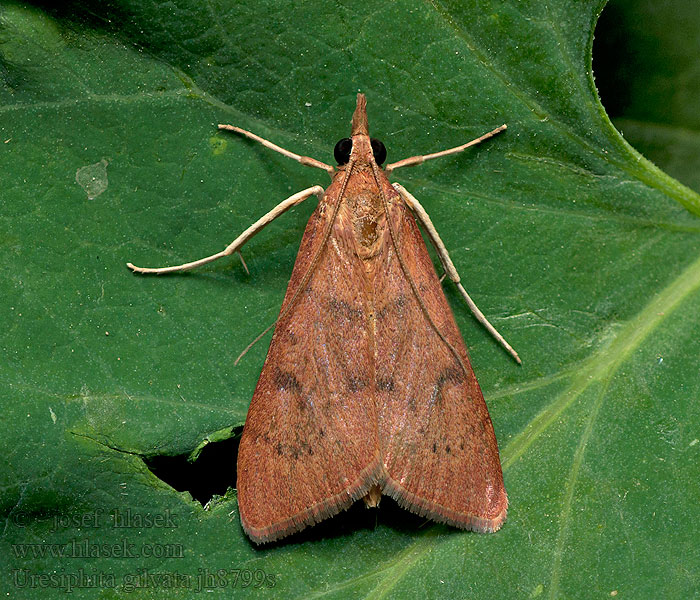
[379, 151]
[342, 151]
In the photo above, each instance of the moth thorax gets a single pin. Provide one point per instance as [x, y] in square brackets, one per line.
[365, 210]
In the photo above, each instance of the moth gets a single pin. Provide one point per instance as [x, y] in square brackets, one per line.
[367, 388]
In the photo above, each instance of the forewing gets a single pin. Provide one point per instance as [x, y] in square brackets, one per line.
[437, 441]
[309, 446]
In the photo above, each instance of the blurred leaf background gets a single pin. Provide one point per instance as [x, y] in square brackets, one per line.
[581, 251]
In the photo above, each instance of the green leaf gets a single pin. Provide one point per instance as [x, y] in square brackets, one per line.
[580, 251]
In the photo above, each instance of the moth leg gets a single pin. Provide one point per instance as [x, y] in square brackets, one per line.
[304, 160]
[235, 246]
[449, 267]
[417, 160]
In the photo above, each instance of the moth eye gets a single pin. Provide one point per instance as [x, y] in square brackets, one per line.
[342, 151]
[379, 151]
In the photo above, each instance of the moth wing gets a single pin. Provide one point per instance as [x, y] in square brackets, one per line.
[310, 446]
[437, 441]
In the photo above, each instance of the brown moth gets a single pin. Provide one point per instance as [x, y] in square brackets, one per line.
[367, 387]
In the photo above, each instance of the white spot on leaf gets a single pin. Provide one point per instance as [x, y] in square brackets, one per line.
[93, 178]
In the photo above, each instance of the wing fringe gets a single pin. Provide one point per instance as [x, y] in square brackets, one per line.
[442, 514]
[371, 475]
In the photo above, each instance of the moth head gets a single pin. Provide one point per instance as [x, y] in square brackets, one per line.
[360, 145]
[360, 125]
[343, 149]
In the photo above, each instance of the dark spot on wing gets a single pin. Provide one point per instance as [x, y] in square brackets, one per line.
[355, 384]
[453, 374]
[295, 451]
[342, 309]
[396, 305]
[385, 385]
[287, 382]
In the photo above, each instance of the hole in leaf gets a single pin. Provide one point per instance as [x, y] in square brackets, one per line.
[211, 474]
[214, 472]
